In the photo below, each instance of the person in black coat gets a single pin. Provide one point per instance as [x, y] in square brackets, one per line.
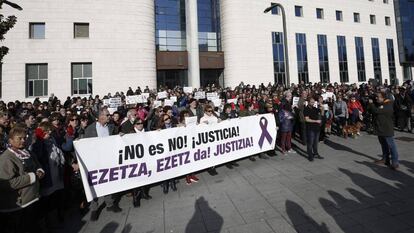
[402, 107]
[384, 127]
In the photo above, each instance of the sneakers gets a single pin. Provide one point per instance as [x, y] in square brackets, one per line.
[291, 151]
[194, 178]
[114, 208]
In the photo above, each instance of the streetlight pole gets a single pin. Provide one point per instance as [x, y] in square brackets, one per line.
[274, 5]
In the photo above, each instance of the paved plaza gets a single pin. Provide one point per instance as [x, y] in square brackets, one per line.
[345, 192]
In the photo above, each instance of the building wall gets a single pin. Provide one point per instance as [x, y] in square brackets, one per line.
[121, 45]
[247, 45]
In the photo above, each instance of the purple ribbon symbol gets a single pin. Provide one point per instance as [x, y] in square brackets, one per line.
[265, 134]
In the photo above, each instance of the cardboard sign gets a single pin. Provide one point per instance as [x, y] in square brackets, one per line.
[157, 103]
[115, 102]
[232, 101]
[188, 89]
[168, 102]
[132, 99]
[190, 121]
[327, 95]
[212, 96]
[199, 95]
[295, 101]
[173, 98]
[216, 102]
[162, 95]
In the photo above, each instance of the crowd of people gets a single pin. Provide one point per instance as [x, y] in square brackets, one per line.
[39, 174]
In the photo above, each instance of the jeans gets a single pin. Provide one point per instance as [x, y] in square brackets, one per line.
[312, 137]
[388, 147]
[354, 116]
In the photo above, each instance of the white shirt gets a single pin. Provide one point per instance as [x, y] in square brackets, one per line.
[102, 130]
[209, 119]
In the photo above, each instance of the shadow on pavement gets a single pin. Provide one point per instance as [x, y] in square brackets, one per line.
[378, 206]
[202, 204]
[301, 221]
[337, 146]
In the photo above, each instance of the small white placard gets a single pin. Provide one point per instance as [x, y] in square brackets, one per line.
[115, 102]
[132, 99]
[112, 110]
[217, 102]
[232, 101]
[173, 98]
[188, 89]
[168, 102]
[190, 121]
[162, 95]
[295, 101]
[200, 95]
[157, 103]
[212, 96]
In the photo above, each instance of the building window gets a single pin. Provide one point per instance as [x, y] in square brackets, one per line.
[299, 11]
[36, 80]
[279, 58]
[339, 16]
[170, 25]
[319, 13]
[372, 19]
[302, 56]
[377, 59]
[323, 59]
[275, 10]
[359, 46]
[209, 32]
[81, 78]
[385, 1]
[356, 18]
[387, 21]
[391, 62]
[36, 30]
[81, 30]
[343, 59]
[1, 79]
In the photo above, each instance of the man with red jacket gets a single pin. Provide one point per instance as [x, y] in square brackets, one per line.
[355, 109]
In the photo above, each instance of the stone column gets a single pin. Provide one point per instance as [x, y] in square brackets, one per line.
[192, 43]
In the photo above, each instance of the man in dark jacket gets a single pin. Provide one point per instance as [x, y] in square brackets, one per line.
[101, 128]
[384, 127]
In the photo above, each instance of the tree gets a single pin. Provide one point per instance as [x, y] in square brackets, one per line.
[5, 25]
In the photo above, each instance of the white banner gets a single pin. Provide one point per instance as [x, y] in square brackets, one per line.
[114, 164]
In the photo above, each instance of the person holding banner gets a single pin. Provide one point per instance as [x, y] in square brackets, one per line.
[194, 109]
[137, 127]
[227, 114]
[101, 128]
[166, 123]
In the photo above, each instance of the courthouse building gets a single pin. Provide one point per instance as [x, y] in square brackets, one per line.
[72, 47]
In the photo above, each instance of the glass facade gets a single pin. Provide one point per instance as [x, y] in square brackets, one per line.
[172, 78]
[279, 58]
[170, 25]
[376, 57]
[302, 56]
[37, 30]
[404, 14]
[343, 59]
[359, 51]
[209, 36]
[391, 62]
[323, 59]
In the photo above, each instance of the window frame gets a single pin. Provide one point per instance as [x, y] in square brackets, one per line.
[27, 80]
[341, 15]
[80, 24]
[31, 32]
[358, 19]
[72, 79]
[322, 13]
[300, 10]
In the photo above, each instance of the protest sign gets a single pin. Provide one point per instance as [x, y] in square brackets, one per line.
[115, 102]
[188, 89]
[113, 164]
[173, 98]
[216, 102]
[105, 102]
[229, 101]
[157, 103]
[162, 95]
[112, 110]
[132, 99]
[212, 96]
[295, 101]
[200, 95]
[191, 121]
[145, 96]
[168, 102]
[327, 95]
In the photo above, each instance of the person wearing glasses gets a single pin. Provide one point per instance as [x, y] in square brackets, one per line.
[135, 125]
[210, 116]
[227, 114]
[166, 123]
[101, 128]
[20, 173]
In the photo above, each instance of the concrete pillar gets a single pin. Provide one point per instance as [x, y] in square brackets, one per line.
[192, 43]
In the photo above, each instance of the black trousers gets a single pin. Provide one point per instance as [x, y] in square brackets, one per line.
[20, 221]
